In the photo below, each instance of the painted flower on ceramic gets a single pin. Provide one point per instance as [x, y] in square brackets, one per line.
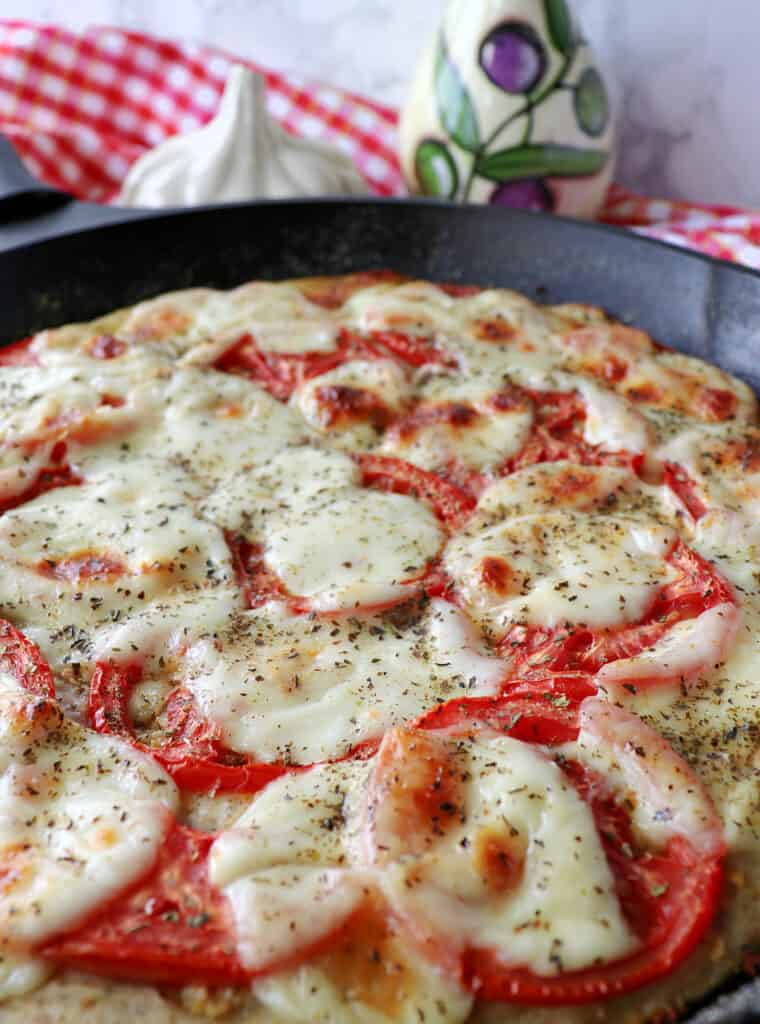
[533, 65]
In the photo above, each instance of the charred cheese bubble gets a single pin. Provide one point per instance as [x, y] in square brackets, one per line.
[379, 543]
[460, 422]
[353, 403]
[81, 816]
[304, 689]
[559, 567]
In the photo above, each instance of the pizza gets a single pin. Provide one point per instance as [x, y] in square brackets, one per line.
[374, 650]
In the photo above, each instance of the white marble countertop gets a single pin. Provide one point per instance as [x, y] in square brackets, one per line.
[686, 75]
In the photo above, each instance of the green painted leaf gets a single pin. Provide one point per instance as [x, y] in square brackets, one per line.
[560, 24]
[538, 161]
[436, 170]
[455, 108]
[592, 106]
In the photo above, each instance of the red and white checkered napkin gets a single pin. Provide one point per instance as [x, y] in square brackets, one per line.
[81, 108]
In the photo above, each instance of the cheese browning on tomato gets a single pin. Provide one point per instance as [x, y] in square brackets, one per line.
[436, 607]
[465, 836]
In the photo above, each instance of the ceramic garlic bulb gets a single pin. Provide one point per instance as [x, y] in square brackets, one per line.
[508, 107]
[240, 154]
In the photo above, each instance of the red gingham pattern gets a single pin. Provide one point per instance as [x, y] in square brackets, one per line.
[80, 109]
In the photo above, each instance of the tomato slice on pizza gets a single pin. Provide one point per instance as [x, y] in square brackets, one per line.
[565, 579]
[472, 864]
[478, 866]
[193, 752]
[335, 683]
[49, 471]
[282, 372]
[172, 926]
[687, 629]
[387, 521]
[558, 434]
[18, 353]
[22, 660]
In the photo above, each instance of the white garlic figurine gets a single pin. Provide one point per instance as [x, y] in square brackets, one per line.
[242, 153]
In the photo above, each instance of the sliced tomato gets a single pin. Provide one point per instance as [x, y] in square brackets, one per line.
[668, 896]
[172, 926]
[18, 353]
[449, 502]
[257, 581]
[460, 291]
[715, 404]
[193, 754]
[105, 346]
[282, 372]
[558, 434]
[685, 488]
[537, 652]
[23, 660]
[412, 349]
[669, 899]
[547, 714]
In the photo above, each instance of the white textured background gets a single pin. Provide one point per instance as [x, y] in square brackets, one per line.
[686, 72]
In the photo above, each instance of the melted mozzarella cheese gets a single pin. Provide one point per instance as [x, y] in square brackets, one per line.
[561, 484]
[377, 541]
[284, 866]
[166, 627]
[283, 856]
[389, 984]
[560, 567]
[214, 423]
[517, 807]
[279, 316]
[320, 833]
[731, 540]
[483, 440]
[171, 318]
[611, 421]
[143, 546]
[81, 816]
[284, 687]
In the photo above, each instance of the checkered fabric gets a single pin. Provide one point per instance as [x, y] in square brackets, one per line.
[80, 108]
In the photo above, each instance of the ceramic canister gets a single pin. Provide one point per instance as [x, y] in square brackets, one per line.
[507, 106]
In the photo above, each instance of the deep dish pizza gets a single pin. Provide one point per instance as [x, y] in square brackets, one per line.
[374, 651]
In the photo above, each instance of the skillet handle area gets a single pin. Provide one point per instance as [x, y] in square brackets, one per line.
[31, 211]
[21, 194]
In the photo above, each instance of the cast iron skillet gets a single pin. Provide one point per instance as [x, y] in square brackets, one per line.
[56, 267]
